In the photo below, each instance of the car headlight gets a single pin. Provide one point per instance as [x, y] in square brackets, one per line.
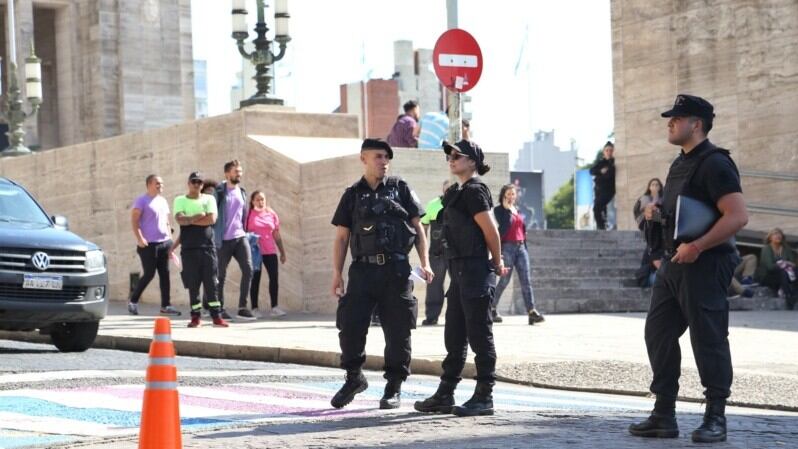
[95, 260]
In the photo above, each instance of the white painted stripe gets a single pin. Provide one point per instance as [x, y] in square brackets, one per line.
[455, 60]
[322, 403]
[161, 386]
[162, 361]
[101, 374]
[57, 426]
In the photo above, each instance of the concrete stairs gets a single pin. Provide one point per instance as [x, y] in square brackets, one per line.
[593, 272]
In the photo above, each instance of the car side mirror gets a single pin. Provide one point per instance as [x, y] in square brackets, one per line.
[61, 221]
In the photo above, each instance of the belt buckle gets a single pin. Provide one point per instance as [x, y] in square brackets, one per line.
[380, 259]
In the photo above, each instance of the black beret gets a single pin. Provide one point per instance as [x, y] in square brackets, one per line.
[377, 144]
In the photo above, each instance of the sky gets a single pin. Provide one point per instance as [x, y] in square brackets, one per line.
[547, 64]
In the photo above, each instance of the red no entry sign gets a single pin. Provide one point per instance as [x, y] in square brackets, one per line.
[457, 60]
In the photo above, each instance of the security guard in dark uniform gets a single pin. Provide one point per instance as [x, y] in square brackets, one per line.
[470, 235]
[691, 285]
[378, 217]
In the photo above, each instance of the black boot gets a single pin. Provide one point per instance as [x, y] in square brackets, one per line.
[440, 402]
[392, 396]
[355, 383]
[481, 403]
[713, 429]
[660, 424]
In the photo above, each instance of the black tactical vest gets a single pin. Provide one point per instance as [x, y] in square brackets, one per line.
[380, 224]
[678, 183]
[436, 235]
[462, 237]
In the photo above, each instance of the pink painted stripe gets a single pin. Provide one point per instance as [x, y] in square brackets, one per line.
[224, 404]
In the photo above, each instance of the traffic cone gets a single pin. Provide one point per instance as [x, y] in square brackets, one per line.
[160, 413]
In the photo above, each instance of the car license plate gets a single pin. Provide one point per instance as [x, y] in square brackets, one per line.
[43, 282]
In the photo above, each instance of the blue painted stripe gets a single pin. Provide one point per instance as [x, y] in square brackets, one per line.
[116, 418]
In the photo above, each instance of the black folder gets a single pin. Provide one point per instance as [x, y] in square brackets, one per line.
[695, 218]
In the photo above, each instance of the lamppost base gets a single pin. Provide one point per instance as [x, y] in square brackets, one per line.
[18, 150]
[261, 100]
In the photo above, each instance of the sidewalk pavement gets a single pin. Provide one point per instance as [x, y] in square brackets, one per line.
[584, 352]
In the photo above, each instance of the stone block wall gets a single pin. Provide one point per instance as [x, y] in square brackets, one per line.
[743, 57]
[94, 185]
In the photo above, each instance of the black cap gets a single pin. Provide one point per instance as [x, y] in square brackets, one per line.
[194, 175]
[377, 144]
[467, 148]
[691, 106]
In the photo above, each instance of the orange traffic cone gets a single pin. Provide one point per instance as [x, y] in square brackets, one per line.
[160, 413]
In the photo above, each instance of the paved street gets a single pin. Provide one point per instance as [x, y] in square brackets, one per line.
[93, 400]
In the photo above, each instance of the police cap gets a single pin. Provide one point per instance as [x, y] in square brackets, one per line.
[377, 144]
[691, 106]
[466, 148]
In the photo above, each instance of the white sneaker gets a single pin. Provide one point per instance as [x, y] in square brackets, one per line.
[277, 312]
[257, 313]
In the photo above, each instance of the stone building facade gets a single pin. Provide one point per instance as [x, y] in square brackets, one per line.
[740, 55]
[108, 68]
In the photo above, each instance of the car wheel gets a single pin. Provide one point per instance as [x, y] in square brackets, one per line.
[74, 337]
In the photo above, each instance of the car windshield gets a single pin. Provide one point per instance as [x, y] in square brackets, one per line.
[16, 206]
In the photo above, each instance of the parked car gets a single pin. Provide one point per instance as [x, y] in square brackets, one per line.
[50, 279]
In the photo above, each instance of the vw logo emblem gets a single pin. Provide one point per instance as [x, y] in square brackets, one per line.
[40, 260]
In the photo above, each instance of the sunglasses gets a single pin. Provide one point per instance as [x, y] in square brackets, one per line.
[196, 181]
[455, 156]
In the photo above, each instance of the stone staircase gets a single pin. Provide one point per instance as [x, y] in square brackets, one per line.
[592, 271]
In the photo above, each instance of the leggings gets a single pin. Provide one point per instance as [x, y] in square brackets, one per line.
[270, 263]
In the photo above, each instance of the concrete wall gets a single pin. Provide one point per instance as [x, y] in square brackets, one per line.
[740, 55]
[94, 185]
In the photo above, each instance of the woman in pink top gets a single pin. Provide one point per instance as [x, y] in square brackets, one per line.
[264, 222]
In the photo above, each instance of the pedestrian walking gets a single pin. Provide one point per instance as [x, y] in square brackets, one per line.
[265, 224]
[378, 216]
[433, 225]
[603, 172]
[691, 284]
[152, 227]
[405, 132]
[196, 212]
[470, 234]
[231, 238]
[512, 228]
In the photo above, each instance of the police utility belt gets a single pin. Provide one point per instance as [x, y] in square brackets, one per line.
[381, 259]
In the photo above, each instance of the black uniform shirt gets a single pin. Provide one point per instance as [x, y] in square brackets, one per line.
[346, 206]
[475, 198]
[716, 177]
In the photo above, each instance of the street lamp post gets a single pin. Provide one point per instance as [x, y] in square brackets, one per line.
[14, 112]
[262, 57]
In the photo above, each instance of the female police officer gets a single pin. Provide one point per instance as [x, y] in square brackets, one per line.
[469, 235]
[379, 216]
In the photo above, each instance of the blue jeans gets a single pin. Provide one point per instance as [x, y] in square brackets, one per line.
[516, 257]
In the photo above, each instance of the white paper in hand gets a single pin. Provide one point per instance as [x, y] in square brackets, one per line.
[417, 275]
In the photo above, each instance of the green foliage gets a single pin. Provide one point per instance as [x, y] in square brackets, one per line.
[560, 210]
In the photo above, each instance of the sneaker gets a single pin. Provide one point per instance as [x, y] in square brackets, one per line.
[748, 280]
[171, 311]
[220, 322]
[535, 317]
[496, 317]
[132, 308]
[276, 312]
[257, 314]
[226, 315]
[246, 315]
[195, 321]
[429, 322]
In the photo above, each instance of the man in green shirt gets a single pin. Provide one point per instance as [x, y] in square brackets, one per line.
[196, 213]
[434, 298]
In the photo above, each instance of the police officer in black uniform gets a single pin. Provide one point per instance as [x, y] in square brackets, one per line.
[470, 235]
[378, 217]
[690, 290]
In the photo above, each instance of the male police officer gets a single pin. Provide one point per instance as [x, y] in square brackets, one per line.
[379, 217]
[690, 290]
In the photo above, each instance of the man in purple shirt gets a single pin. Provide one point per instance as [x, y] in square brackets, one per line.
[230, 236]
[152, 227]
[404, 133]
